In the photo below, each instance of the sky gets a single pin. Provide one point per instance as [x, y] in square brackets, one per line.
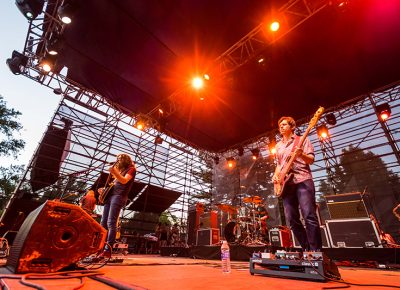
[37, 103]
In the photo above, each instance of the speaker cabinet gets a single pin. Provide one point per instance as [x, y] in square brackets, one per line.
[348, 205]
[353, 233]
[209, 220]
[54, 236]
[207, 237]
[324, 236]
[193, 222]
[47, 161]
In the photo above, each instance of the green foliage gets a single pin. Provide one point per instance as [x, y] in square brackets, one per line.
[9, 146]
[8, 181]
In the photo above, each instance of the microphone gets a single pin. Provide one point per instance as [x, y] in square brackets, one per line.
[111, 163]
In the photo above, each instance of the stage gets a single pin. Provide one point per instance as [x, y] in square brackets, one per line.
[161, 272]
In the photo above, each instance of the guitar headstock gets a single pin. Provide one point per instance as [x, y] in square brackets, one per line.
[316, 116]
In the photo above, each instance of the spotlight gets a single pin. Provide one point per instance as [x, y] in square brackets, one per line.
[54, 44]
[216, 160]
[30, 8]
[330, 119]
[158, 140]
[240, 151]
[255, 152]
[47, 64]
[197, 83]
[140, 125]
[66, 10]
[17, 62]
[272, 145]
[322, 132]
[274, 26]
[231, 162]
[383, 111]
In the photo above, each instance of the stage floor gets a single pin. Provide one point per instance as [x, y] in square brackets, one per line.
[157, 272]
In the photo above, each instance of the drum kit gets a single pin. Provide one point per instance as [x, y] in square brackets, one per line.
[246, 224]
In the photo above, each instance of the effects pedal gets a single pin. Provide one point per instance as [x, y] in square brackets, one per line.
[293, 256]
[313, 256]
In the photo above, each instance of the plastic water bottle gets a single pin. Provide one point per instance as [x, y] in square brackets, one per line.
[225, 257]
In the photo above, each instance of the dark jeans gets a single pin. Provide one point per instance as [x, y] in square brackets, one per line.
[111, 212]
[303, 195]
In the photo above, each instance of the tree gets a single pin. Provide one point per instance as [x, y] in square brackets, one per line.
[9, 146]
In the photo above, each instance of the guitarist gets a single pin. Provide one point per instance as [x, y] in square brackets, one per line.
[124, 172]
[299, 192]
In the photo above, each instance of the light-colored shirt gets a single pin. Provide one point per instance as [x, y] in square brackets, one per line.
[300, 168]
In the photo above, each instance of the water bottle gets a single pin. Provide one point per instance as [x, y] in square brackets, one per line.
[225, 257]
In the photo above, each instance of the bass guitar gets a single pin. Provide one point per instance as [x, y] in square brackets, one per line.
[106, 190]
[284, 174]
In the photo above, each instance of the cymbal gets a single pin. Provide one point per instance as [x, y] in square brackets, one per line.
[227, 208]
[252, 199]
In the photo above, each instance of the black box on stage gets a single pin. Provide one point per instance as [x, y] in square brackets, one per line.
[280, 237]
[206, 237]
[324, 235]
[353, 233]
[347, 205]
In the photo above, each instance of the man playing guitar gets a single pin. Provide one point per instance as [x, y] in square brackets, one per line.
[299, 192]
[124, 172]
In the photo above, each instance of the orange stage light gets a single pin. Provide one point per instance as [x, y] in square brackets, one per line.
[274, 26]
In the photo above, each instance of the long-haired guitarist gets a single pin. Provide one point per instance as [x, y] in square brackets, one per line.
[299, 192]
[123, 172]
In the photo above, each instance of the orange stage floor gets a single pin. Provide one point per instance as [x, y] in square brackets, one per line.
[156, 272]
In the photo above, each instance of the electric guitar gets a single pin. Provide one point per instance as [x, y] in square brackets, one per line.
[106, 190]
[283, 175]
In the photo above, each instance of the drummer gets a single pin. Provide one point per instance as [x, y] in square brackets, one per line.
[261, 214]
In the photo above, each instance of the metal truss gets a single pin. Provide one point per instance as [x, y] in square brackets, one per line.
[295, 12]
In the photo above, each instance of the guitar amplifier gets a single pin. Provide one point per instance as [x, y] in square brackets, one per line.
[207, 237]
[324, 235]
[208, 220]
[353, 233]
[280, 237]
[347, 205]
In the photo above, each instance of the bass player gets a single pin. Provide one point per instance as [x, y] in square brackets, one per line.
[115, 196]
[299, 193]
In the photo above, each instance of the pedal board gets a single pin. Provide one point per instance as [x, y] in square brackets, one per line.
[315, 266]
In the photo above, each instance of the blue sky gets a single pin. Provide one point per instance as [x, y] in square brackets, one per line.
[36, 102]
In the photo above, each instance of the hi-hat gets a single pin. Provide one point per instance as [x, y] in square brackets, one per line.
[252, 199]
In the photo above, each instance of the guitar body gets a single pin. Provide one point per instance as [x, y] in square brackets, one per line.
[104, 195]
[279, 188]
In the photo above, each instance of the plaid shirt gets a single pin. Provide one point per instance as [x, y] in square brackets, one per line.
[300, 169]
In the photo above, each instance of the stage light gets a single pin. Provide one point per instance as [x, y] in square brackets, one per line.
[30, 8]
[197, 83]
[230, 162]
[66, 10]
[17, 62]
[216, 160]
[330, 119]
[158, 140]
[240, 151]
[255, 153]
[383, 111]
[322, 132]
[274, 26]
[206, 77]
[272, 145]
[47, 63]
[140, 125]
[54, 44]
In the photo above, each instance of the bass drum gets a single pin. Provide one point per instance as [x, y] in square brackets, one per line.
[232, 232]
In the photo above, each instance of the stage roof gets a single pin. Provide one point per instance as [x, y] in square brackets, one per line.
[138, 53]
